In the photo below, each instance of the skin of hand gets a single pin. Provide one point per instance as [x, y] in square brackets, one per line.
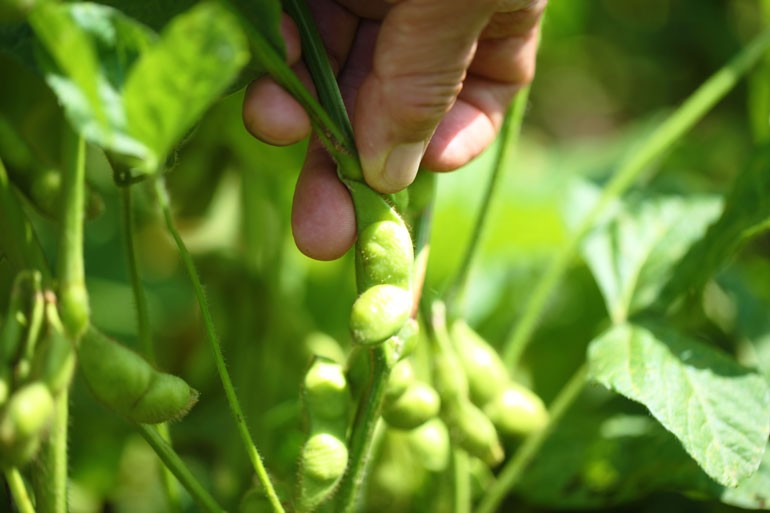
[426, 82]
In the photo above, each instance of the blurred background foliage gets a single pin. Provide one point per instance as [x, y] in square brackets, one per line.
[608, 70]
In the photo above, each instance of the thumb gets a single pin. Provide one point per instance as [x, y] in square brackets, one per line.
[422, 53]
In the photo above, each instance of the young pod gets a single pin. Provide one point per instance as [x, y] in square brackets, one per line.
[379, 313]
[486, 372]
[322, 465]
[414, 407]
[399, 380]
[326, 391]
[24, 422]
[517, 411]
[384, 255]
[54, 359]
[125, 382]
[430, 444]
[473, 431]
[449, 377]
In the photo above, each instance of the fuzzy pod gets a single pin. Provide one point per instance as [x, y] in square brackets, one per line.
[126, 383]
[326, 391]
[419, 403]
[430, 444]
[384, 255]
[517, 411]
[379, 313]
[74, 309]
[486, 372]
[54, 359]
[322, 465]
[24, 422]
[449, 377]
[473, 431]
[401, 376]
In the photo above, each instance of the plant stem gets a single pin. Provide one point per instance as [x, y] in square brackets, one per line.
[462, 483]
[362, 437]
[50, 476]
[18, 491]
[144, 329]
[508, 140]
[216, 349]
[513, 470]
[659, 141]
[176, 466]
[72, 294]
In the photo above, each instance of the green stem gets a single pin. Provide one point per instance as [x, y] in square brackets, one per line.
[144, 330]
[50, 477]
[362, 437]
[216, 349]
[508, 140]
[660, 140]
[18, 491]
[176, 466]
[140, 298]
[462, 482]
[72, 296]
[513, 470]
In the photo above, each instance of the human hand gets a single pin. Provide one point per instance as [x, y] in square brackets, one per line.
[426, 82]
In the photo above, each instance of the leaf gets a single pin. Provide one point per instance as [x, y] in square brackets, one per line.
[719, 410]
[89, 50]
[746, 214]
[633, 252]
[174, 82]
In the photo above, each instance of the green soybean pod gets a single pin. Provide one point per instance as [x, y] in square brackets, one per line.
[430, 443]
[449, 377]
[517, 411]
[486, 372]
[473, 431]
[385, 255]
[23, 423]
[54, 358]
[379, 313]
[418, 404]
[401, 376]
[322, 465]
[325, 391]
[125, 382]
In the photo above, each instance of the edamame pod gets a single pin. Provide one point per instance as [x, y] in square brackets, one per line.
[125, 382]
[414, 407]
[385, 255]
[326, 391]
[379, 313]
[430, 443]
[517, 411]
[54, 359]
[323, 462]
[399, 380]
[23, 423]
[487, 375]
[473, 431]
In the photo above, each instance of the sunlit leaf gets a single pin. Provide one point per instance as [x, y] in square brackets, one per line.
[719, 410]
[175, 81]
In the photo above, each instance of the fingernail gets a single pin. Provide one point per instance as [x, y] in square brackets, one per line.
[401, 165]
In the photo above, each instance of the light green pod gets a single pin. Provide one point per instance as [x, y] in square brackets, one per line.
[449, 377]
[486, 372]
[419, 403]
[326, 390]
[399, 380]
[517, 411]
[473, 431]
[430, 444]
[125, 382]
[384, 255]
[379, 313]
[54, 359]
[23, 423]
[322, 465]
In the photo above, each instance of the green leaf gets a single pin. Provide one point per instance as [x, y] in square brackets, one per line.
[89, 50]
[719, 410]
[175, 81]
[633, 251]
[746, 214]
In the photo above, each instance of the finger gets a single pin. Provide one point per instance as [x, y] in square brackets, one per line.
[322, 218]
[269, 112]
[470, 126]
[420, 61]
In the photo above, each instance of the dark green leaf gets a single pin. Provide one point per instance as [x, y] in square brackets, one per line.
[746, 213]
[719, 410]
